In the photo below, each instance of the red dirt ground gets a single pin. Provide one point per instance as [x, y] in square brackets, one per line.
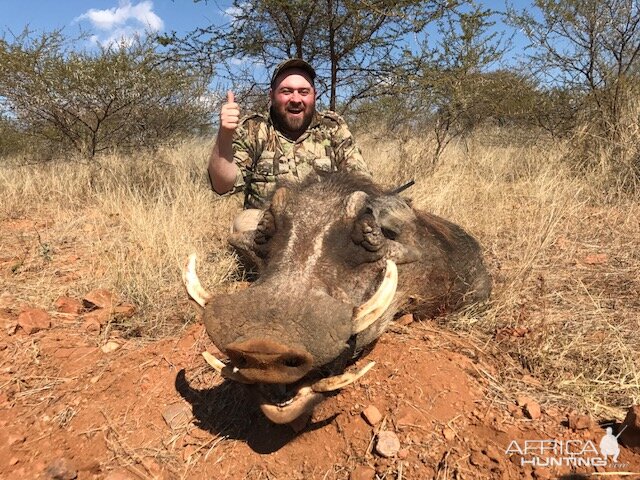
[69, 410]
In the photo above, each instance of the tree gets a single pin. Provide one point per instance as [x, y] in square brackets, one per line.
[123, 96]
[348, 41]
[588, 46]
[448, 79]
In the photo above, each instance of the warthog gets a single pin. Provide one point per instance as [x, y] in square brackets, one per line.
[337, 259]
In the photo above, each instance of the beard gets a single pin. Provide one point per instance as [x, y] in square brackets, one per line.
[293, 121]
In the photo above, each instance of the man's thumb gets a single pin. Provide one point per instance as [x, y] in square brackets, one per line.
[230, 97]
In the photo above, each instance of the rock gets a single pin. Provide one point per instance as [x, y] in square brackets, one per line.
[177, 415]
[16, 439]
[493, 453]
[126, 310]
[362, 472]
[448, 434]
[13, 461]
[387, 444]
[110, 347]
[477, 459]
[121, 474]
[630, 437]
[579, 422]
[91, 325]
[403, 454]
[68, 305]
[405, 319]
[100, 316]
[532, 410]
[32, 320]
[542, 473]
[372, 415]
[61, 469]
[530, 407]
[99, 298]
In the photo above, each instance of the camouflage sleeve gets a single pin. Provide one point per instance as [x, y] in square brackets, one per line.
[244, 146]
[347, 154]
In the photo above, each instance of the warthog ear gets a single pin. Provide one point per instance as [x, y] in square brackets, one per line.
[354, 203]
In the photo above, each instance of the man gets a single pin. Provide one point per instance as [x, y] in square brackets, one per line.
[291, 142]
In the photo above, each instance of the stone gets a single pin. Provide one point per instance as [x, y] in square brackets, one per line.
[362, 472]
[99, 298]
[448, 434]
[110, 347]
[493, 453]
[387, 444]
[100, 316]
[68, 305]
[32, 320]
[61, 469]
[372, 415]
[405, 320]
[126, 310]
[177, 415]
[530, 407]
[532, 410]
[121, 474]
[579, 422]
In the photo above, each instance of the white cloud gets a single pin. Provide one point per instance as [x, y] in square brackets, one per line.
[123, 22]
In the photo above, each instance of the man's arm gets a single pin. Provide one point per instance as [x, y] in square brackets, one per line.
[222, 169]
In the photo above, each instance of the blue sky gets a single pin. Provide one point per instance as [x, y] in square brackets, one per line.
[108, 18]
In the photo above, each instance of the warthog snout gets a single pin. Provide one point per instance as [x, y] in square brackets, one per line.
[268, 361]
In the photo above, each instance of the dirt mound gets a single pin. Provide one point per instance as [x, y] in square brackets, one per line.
[70, 409]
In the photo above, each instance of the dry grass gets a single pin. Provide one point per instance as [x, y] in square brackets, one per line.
[564, 252]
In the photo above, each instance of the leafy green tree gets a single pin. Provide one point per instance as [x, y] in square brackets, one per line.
[587, 46]
[123, 96]
[348, 41]
[450, 77]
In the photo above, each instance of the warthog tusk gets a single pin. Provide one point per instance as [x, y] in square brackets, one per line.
[369, 312]
[304, 402]
[340, 381]
[213, 362]
[228, 372]
[192, 282]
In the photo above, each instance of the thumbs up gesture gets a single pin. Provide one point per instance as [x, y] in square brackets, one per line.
[229, 114]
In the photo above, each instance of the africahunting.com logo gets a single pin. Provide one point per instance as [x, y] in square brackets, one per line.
[572, 453]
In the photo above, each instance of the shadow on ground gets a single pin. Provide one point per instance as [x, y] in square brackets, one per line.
[228, 410]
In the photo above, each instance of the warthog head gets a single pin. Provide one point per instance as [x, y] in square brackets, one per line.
[337, 259]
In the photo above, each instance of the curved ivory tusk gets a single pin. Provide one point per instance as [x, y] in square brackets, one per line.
[340, 381]
[192, 282]
[304, 402]
[223, 369]
[369, 312]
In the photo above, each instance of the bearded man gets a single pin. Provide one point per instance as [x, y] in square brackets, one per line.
[291, 142]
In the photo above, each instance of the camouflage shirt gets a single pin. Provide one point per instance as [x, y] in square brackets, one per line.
[264, 155]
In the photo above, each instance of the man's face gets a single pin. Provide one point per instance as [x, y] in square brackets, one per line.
[293, 100]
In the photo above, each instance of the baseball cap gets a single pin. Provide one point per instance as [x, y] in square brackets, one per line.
[293, 63]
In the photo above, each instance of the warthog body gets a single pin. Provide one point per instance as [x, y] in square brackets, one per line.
[321, 251]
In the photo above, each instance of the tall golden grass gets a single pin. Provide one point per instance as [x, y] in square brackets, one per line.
[564, 251]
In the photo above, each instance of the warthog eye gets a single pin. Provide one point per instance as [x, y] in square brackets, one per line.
[388, 233]
[292, 362]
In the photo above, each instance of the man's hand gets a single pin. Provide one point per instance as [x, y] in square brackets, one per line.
[222, 169]
[229, 114]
